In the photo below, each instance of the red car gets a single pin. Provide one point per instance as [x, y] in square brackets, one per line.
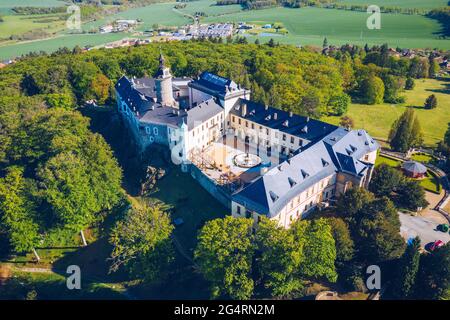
[436, 244]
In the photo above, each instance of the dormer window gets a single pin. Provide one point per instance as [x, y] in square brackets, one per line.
[273, 196]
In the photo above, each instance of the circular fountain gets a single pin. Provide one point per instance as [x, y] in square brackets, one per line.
[246, 160]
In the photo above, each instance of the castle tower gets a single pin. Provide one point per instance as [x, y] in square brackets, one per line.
[163, 84]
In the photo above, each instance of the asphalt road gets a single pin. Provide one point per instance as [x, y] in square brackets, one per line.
[423, 227]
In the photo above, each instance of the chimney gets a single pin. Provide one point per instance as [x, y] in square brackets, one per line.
[291, 114]
[244, 109]
[275, 116]
[307, 119]
[266, 107]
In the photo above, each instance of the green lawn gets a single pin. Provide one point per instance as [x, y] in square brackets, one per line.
[31, 3]
[420, 4]
[306, 26]
[430, 182]
[422, 157]
[310, 26]
[190, 202]
[389, 161]
[377, 119]
[51, 286]
[18, 24]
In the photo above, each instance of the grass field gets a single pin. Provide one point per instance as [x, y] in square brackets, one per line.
[17, 25]
[160, 13]
[377, 119]
[311, 25]
[429, 183]
[306, 26]
[420, 4]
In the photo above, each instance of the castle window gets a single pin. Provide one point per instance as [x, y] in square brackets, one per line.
[292, 140]
[233, 119]
[300, 142]
[238, 209]
[148, 130]
[284, 137]
[253, 126]
[267, 131]
[246, 124]
[155, 131]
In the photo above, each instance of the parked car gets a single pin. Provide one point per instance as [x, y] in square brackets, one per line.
[435, 245]
[443, 227]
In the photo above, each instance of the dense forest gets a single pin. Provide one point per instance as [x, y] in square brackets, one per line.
[58, 178]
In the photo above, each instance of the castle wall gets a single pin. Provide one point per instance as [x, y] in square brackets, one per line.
[211, 187]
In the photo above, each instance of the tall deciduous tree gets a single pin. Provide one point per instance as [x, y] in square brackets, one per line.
[403, 283]
[319, 249]
[372, 90]
[280, 257]
[141, 242]
[385, 180]
[433, 279]
[224, 254]
[17, 213]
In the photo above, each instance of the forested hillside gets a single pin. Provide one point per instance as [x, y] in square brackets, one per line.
[57, 175]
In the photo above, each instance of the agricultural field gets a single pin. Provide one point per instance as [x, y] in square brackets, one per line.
[377, 119]
[419, 4]
[311, 25]
[160, 13]
[23, 23]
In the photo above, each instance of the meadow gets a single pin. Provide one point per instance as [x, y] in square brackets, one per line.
[22, 24]
[306, 26]
[309, 25]
[419, 4]
[377, 119]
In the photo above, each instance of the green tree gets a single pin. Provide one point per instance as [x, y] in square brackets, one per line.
[431, 102]
[385, 180]
[378, 232]
[280, 257]
[350, 204]
[344, 242]
[372, 90]
[412, 195]
[319, 249]
[17, 212]
[405, 132]
[224, 254]
[433, 279]
[409, 84]
[339, 104]
[403, 283]
[141, 242]
[68, 190]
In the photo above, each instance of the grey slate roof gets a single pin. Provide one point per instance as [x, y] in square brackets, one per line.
[302, 127]
[275, 189]
[138, 95]
[213, 84]
[202, 112]
[414, 167]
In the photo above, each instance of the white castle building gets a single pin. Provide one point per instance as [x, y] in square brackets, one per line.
[302, 162]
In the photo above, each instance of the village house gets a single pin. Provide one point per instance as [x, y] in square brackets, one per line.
[255, 159]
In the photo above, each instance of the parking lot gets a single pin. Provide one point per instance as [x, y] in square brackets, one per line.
[425, 228]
